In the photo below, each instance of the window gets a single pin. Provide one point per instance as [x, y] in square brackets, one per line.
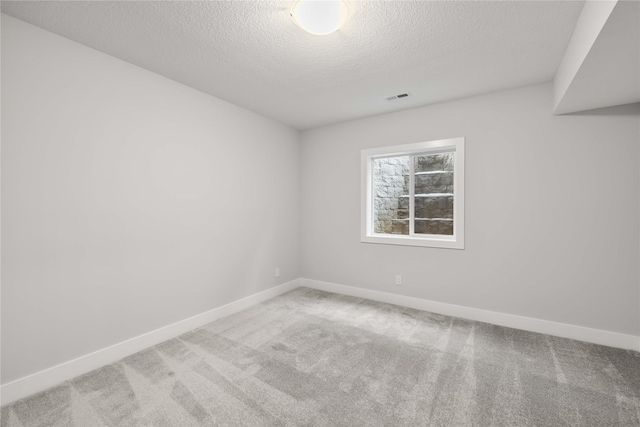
[414, 194]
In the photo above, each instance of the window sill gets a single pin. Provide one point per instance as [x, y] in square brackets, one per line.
[443, 242]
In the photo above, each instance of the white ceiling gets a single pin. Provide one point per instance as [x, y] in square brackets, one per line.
[251, 53]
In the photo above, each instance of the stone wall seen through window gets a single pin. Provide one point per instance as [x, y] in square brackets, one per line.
[433, 181]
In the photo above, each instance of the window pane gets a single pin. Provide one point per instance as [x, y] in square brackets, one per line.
[434, 193]
[391, 195]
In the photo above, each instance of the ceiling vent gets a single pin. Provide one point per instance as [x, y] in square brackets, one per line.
[399, 96]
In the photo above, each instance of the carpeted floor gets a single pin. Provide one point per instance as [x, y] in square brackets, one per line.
[311, 358]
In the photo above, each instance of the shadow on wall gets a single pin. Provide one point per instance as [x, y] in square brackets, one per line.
[618, 110]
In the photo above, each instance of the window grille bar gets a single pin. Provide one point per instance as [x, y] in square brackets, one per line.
[412, 190]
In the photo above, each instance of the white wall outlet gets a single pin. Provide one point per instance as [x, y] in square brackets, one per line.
[398, 280]
[277, 272]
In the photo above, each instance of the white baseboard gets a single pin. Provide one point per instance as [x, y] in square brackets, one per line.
[596, 336]
[50, 377]
[55, 375]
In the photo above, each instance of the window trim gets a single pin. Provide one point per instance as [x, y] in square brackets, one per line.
[456, 241]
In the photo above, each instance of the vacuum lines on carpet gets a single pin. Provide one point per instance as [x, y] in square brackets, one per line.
[313, 358]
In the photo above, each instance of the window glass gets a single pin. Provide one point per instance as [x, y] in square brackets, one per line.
[391, 195]
[433, 206]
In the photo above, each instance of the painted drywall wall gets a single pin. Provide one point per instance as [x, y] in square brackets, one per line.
[601, 63]
[129, 201]
[551, 209]
[592, 20]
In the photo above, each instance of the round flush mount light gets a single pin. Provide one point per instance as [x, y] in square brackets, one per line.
[320, 17]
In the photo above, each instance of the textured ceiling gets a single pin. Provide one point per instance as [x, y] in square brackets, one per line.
[251, 53]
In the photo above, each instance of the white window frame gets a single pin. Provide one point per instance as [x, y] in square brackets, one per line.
[456, 241]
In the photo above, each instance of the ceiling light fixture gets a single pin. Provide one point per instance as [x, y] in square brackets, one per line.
[320, 17]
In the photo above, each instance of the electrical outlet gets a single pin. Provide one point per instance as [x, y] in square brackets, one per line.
[277, 272]
[398, 280]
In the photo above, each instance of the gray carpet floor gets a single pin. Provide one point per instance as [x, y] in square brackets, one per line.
[312, 358]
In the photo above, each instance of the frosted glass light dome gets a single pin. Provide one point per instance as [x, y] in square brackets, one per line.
[320, 17]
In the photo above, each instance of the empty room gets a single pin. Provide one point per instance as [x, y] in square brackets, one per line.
[320, 213]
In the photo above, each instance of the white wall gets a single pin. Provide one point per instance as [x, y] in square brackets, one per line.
[129, 201]
[552, 210]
